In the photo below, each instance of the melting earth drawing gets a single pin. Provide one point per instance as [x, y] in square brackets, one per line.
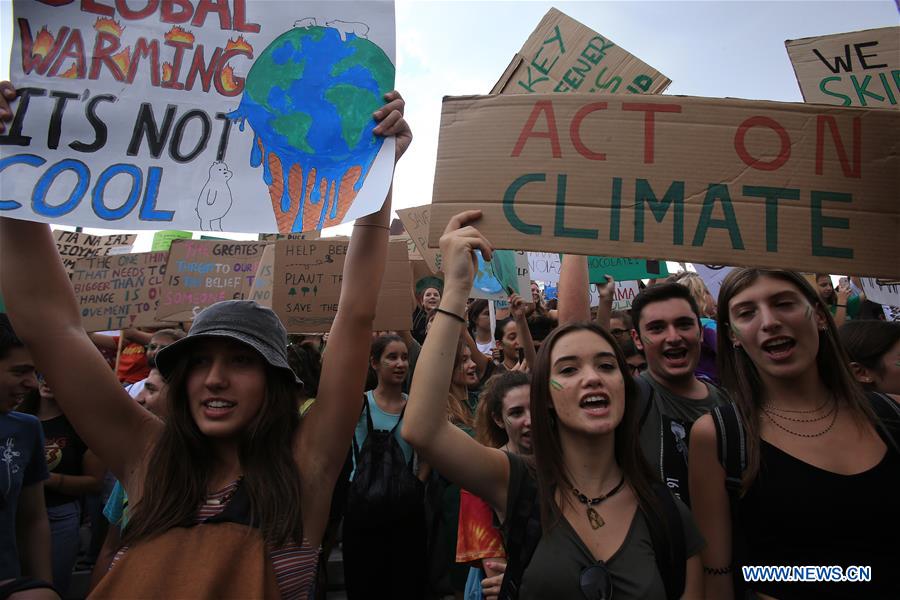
[309, 100]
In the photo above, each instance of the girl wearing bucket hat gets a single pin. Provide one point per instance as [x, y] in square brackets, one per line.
[233, 458]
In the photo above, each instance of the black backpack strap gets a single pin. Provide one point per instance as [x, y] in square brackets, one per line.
[888, 413]
[365, 410]
[523, 535]
[730, 434]
[668, 541]
[646, 397]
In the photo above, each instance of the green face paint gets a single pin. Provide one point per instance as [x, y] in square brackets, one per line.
[734, 330]
[555, 384]
[809, 311]
[647, 341]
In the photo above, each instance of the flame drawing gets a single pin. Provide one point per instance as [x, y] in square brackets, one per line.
[239, 44]
[42, 43]
[227, 78]
[109, 26]
[122, 59]
[177, 34]
[167, 71]
[71, 72]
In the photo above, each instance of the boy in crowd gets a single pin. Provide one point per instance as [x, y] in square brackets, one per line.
[667, 329]
[24, 528]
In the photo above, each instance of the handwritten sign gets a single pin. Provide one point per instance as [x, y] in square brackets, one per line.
[308, 277]
[562, 55]
[200, 273]
[198, 115]
[861, 68]
[73, 245]
[770, 184]
[259, 288]
[882, 291]
[624, 269]
[625, 293]
[117, 292]
[416, 220]
[544, 266]
[506, 273]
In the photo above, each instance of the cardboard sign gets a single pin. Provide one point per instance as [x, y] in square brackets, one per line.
[507, 272]
[767, 184]
[305, 235]
[861, 68]
[625, 293]
[882, 291]
[73, 245]
[162, 240]
[562, 55]
[259, 289]
[307, 287]
[211, 116]
[411, 250]
[200, 273]
[416, 220]
[624, 269]
[117, 292]
[544, 266]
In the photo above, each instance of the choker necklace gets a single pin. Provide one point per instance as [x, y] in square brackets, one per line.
[770, 406]
[595, 519]
[805, 435]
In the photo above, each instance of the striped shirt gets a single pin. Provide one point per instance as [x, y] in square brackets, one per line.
[294, 565]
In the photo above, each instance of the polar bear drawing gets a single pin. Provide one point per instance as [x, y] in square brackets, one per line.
[360, 30]
[306, 23]
[215, 198]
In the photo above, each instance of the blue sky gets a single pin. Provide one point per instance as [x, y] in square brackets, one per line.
[716, 48]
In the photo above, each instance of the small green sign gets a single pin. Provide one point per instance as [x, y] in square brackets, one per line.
[162, 240]
[625, 269]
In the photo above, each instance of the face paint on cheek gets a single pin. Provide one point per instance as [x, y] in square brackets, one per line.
[647, 341]
[555, 384]
[735, 330]
[809, 311]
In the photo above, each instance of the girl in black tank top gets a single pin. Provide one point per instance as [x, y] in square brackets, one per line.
[819, 467]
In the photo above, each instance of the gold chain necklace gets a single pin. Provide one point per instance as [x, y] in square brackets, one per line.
[795, 420]
[805, 435]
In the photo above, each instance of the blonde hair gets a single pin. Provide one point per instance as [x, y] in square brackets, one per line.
[695, 284]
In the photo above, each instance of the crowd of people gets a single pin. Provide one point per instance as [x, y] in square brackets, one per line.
[548, 450]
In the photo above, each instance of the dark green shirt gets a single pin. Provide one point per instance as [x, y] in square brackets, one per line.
[555, 568]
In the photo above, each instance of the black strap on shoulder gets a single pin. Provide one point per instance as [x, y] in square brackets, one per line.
[365, 410]
[888, 413]
[668, 541]
[524, 533]
[730, 434]
[646, 397]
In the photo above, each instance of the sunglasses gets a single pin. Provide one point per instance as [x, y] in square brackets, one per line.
[596, 582]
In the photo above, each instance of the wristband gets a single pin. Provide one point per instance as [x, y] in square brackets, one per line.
[840, 306]
[450, 314]
[714, 571]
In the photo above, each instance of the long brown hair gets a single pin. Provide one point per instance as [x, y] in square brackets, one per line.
[179, 466]
[741, 378]
[490, 407]
[458, 411]
[548, 455]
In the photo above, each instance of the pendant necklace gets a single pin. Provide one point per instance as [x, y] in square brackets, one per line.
[595, 519]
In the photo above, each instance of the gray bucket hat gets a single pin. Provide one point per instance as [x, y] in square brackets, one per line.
[242, 320]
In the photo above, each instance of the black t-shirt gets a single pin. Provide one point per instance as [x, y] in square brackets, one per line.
[64, 451]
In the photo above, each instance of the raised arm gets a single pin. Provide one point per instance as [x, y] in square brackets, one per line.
[519, 315]
[45, 314]
[709, 504]
[459, 458]
[325, 436]
[574, 299]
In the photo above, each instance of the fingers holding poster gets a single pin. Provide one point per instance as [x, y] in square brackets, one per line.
[200, 116]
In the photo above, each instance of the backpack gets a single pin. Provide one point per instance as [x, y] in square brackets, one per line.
[524, 534]
[384, 488]
[731, 437]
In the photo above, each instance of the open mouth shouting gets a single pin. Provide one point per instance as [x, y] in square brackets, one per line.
[676, 356]
[779, 348]
[217, 408]
[595, 404]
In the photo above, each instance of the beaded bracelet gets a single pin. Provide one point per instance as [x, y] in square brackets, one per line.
[714, 571]
[450, 314]
[372, 225]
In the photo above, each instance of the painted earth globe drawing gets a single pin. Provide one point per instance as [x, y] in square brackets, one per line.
[309, 100]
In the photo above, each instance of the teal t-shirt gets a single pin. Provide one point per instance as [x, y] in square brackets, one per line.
[380, 420]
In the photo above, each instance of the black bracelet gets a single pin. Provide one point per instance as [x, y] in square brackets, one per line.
[714, 571]
[840, 306]
[450, 314]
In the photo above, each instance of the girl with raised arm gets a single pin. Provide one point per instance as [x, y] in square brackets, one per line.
[795, 473]
[230, 496]
[597, 500]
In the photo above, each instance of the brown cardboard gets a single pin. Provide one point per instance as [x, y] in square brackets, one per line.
[416, 220]
[574, 189]
[562, 55]
[307, 285]
[859, 68]
[259, 287]
[120, 291]
[73, 245]
[202, 272]
[411, 249]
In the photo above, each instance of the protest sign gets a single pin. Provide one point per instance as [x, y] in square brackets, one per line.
[562, 55]
[544, 266]
[118, 292]
[625, 293]
[73, 245]
[307, 286]
[200, 273]
[882, 291]
[259, 288]
[624, 269]
[768, 184]
[411, 248]
[162, 240]
[274, 237]
[416, 220]
[860, 68]
[714, 275]
[506, 273]
[226, 116]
